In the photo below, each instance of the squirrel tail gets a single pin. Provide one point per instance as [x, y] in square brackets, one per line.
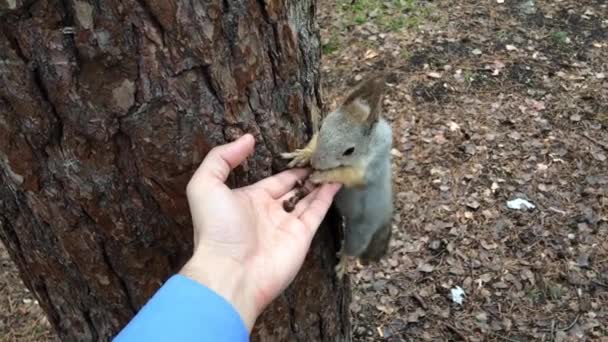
[378, 246]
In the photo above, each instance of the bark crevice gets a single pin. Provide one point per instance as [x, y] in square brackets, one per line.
[156, 22]
[123, 284]
[57, 133]
[205, 72]
[92, 329]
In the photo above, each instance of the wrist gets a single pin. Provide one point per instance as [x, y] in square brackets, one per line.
[227, 278]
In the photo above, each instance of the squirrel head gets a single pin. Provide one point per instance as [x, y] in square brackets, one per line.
[345, 134]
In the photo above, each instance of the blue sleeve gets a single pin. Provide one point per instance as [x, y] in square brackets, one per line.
[185, 310]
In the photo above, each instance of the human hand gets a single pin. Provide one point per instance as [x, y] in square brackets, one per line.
[247, 248]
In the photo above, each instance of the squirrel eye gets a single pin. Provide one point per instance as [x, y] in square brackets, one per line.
[348, 151]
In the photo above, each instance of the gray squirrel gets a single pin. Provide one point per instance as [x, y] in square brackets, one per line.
[353, 147]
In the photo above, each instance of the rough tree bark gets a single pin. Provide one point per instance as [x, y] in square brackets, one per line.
[107, 107]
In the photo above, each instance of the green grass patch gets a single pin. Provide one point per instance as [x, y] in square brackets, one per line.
[560, 38]
[331, 46]
[405, 55]
[360, 19]
[535, 295]
[391, 15]
[469, 77]
[555, 292]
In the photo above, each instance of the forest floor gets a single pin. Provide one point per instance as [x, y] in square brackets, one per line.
[490, 101]
[21, 318]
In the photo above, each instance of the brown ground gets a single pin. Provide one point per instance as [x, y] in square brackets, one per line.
[21, 318]
[490, 101]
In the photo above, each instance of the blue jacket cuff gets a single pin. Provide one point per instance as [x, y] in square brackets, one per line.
[185, 310]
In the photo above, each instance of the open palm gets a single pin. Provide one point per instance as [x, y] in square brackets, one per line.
[247, 247]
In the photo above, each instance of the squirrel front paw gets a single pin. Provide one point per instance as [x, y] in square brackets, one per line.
[299, 158]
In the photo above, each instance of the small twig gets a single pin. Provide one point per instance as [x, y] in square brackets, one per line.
[456, 331]
[533, 244]
[505, 338]
[10, 305]
[419, 300]
[555, 210]
[571, 324]
[556, 328]
[599, 143]
[596, 282]
[599, 262]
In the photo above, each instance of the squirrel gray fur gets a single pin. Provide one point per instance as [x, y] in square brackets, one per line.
[353, 147]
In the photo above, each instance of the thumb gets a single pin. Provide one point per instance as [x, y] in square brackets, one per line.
[222, 159]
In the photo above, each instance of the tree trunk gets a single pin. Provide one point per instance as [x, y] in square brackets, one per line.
[106, 109]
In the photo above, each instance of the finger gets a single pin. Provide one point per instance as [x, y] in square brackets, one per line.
[288, 195]
[314, 214]
[222, 159]
[281, 183]
[292, 202]
[300, 191]
[305, 202]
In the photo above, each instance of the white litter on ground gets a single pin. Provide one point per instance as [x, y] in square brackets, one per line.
[520, 204]
[457, 295]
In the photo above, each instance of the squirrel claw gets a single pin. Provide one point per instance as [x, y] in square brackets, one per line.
[341, 268]
[301, 157]
[298, 158]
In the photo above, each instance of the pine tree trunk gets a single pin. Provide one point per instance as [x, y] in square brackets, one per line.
[106, 109]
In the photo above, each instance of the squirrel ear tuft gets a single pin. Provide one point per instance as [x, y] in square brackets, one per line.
[365, 101]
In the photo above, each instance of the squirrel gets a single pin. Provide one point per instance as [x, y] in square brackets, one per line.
[353, 147]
